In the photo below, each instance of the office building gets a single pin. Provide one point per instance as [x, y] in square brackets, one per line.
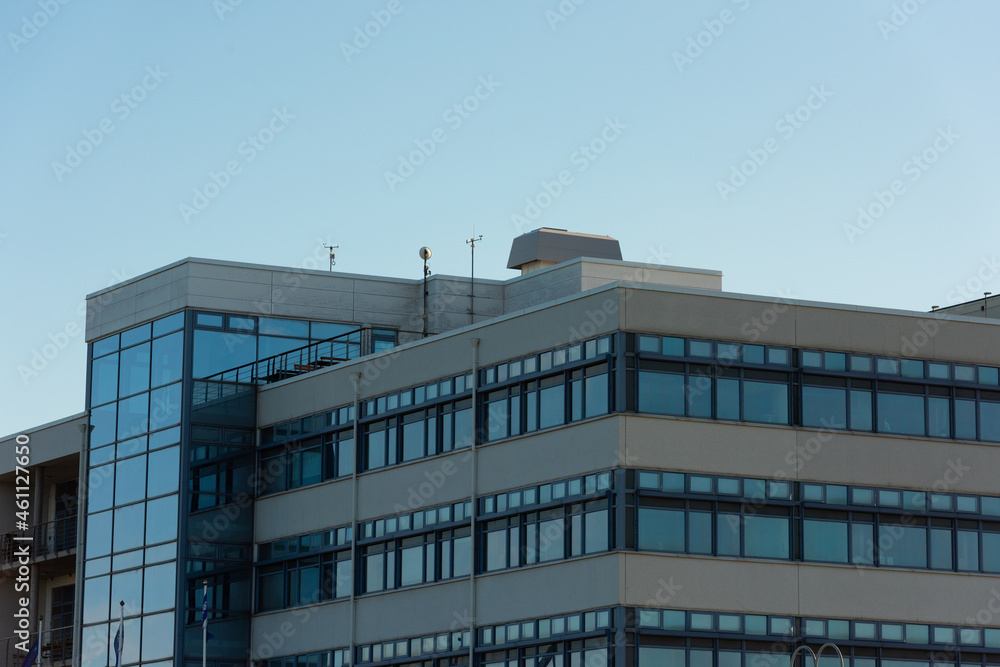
[595, 462]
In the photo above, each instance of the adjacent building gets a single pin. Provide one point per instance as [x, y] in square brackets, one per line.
[595, 462]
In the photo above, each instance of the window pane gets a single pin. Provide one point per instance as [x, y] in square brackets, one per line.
[861, 410]
[159, 587]
[272, 346]
[552, 406]
[271, 589]
[133, 416]
[650, 656]
[699, 532]
[728, 534]
[661, 529]
[939, 417]
[164, 471]
[825, 541]
[103, 423]
[968, 550]
[824, 407]
[965, 419]
[699, 395]
[899, 413]
[862, 543]
[167, 359]
[597, 395]
[496, 550]
[374, 568]
[989, 421]
[496, 422]
[130, 480]
[991, 552]
[217, 351]
[411, 565]
[550, 540]
[596, 528]
[134, 370]
[766, 536]
[661, 393]
[161, 520]
[129, 527]
[941, 549]
[282, 327]
[157, 637]
[100, 493]
[462, 556]
[104, 380]
[727, 399]
[98, 534]
[902, 546]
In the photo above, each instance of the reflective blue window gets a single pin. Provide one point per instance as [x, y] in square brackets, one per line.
[159, 587]
[765, 402]
[129, 527]
[161, 520]
[103, 422]
[168, 324]
[766, 536]
[96, 599]
[133, 416]
[130, 480]
[98, 534]
[661, 393]
[900, 413]
[134, 370]
[989, 421]
[825, 541]
[104, 380]
[157, 637]
[136, 335]
[281, 327]
[902, 546]
[824, 407]
[167, 359]
[727, 398]
[105, 345]
[661, 529]
[164, 471]
[861, 410]
[217, 351]
[165, 407]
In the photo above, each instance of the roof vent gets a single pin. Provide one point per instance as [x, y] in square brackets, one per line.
[546, 246]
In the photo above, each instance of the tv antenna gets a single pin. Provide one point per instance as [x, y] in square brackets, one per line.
[333, 261]
[472, 280]
[425, 254]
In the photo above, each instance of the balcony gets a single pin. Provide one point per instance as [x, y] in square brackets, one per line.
[49, 540]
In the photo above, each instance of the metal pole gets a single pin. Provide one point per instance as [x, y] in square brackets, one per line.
[204, 624]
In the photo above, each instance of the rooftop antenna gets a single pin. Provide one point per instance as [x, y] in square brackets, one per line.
[333, 261]
[986, 297]
[472, 280]
[425, 254]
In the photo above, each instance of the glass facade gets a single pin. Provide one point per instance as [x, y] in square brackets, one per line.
[171, 458]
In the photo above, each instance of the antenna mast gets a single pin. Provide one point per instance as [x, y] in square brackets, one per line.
[333, 262]
[472, 280]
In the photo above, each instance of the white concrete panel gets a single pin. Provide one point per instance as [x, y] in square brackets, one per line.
[302, 630]
[302, 511]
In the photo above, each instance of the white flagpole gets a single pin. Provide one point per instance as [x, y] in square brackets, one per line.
[39, 641]
[121, 634]
[204, 624]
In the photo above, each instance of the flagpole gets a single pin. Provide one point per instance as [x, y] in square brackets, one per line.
[121, 629]
[204, 624]
[39, 641]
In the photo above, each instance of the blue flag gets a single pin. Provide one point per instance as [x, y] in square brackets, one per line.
[204, 615]
[119, 644]
[32, 653]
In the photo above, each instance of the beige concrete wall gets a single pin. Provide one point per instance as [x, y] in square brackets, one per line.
[303, 511]
[812, 325]
[547, 590]
[301, 630]
[825, 591]
[436, 481]
[413, 612]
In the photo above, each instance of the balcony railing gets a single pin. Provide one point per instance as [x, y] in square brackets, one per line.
[48, 539]
[57, 646]
[295, 362]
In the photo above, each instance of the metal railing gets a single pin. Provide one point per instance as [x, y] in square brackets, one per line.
[295, 362]
[48, 539]
[56, 646]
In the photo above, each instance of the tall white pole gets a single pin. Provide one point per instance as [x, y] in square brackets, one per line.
[204, 624]
[39, 641]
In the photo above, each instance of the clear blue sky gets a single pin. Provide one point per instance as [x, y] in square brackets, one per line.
[199, 80]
